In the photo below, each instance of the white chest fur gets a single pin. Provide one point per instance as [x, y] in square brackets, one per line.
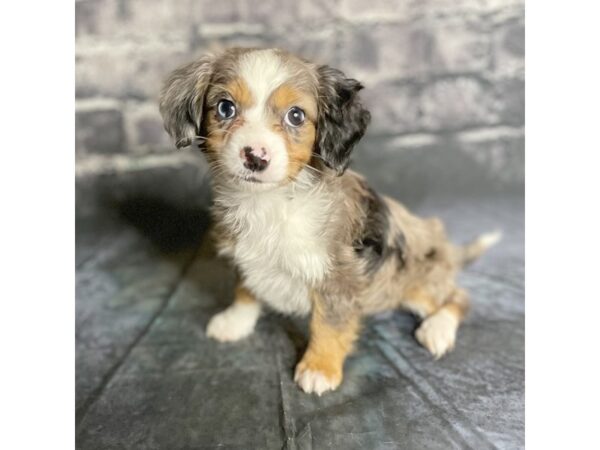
[280, 242]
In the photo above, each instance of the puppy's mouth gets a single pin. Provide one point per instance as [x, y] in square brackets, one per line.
[253, 182]
[251, 179]
[248, 179]
[256, 179]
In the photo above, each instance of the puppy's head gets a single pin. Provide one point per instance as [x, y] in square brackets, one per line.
[262, 116]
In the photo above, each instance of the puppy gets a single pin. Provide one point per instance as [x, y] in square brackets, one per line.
[306, 235]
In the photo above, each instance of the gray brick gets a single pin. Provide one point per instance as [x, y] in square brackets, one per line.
[317, 11]
[359, 53]
[511, 95]
[461, 46]
[290, 16]
[446, 104]
[456, 103]
[94, 17]
[460, 8]
[155, 17]
[275, 13]
[500, 4]
[377, 11]
[394, 108]
[509, 48]
[144, 129]
[99, 127]
[143, 19]
[218, 37]
[357, 10]
[222, 11]
[500, 150]
[319, 46]
[128, 71]
[415, 49]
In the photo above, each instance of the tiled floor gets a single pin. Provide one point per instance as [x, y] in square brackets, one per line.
[147, 377]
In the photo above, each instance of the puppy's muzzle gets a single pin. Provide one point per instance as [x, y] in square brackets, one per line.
[255, 159]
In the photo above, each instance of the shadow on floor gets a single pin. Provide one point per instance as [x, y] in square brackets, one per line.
[170, 228]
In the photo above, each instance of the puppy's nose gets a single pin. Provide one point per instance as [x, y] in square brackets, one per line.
[255, 159]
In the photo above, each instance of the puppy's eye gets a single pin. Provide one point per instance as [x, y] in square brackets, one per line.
[294, 117]
[225, 109]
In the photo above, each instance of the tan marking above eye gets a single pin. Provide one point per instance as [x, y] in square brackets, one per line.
[287, 96]
[240, 93]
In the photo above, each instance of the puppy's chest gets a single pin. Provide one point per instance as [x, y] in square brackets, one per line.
[280, 235]
[279, 245]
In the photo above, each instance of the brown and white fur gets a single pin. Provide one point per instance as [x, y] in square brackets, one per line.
[305, 235]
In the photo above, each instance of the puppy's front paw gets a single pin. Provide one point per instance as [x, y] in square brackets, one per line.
[312, 379]
[233, 324]
[437, 333]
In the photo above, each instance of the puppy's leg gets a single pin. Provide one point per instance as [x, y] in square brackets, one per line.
[437, 332]
[237, 321]
[321, 367]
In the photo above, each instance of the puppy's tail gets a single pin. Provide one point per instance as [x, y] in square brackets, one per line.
[473, 250]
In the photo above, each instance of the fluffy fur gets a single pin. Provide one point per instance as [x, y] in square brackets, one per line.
[306, 235]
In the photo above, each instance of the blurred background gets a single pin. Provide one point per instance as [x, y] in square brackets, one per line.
[444, 82]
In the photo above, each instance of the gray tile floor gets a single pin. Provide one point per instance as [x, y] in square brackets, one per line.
[147, 377]
[148, 282]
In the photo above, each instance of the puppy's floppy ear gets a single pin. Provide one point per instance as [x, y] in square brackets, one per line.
[182, 100]
[342, 118]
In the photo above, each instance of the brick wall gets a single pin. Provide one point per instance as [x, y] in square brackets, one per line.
[432, 68]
